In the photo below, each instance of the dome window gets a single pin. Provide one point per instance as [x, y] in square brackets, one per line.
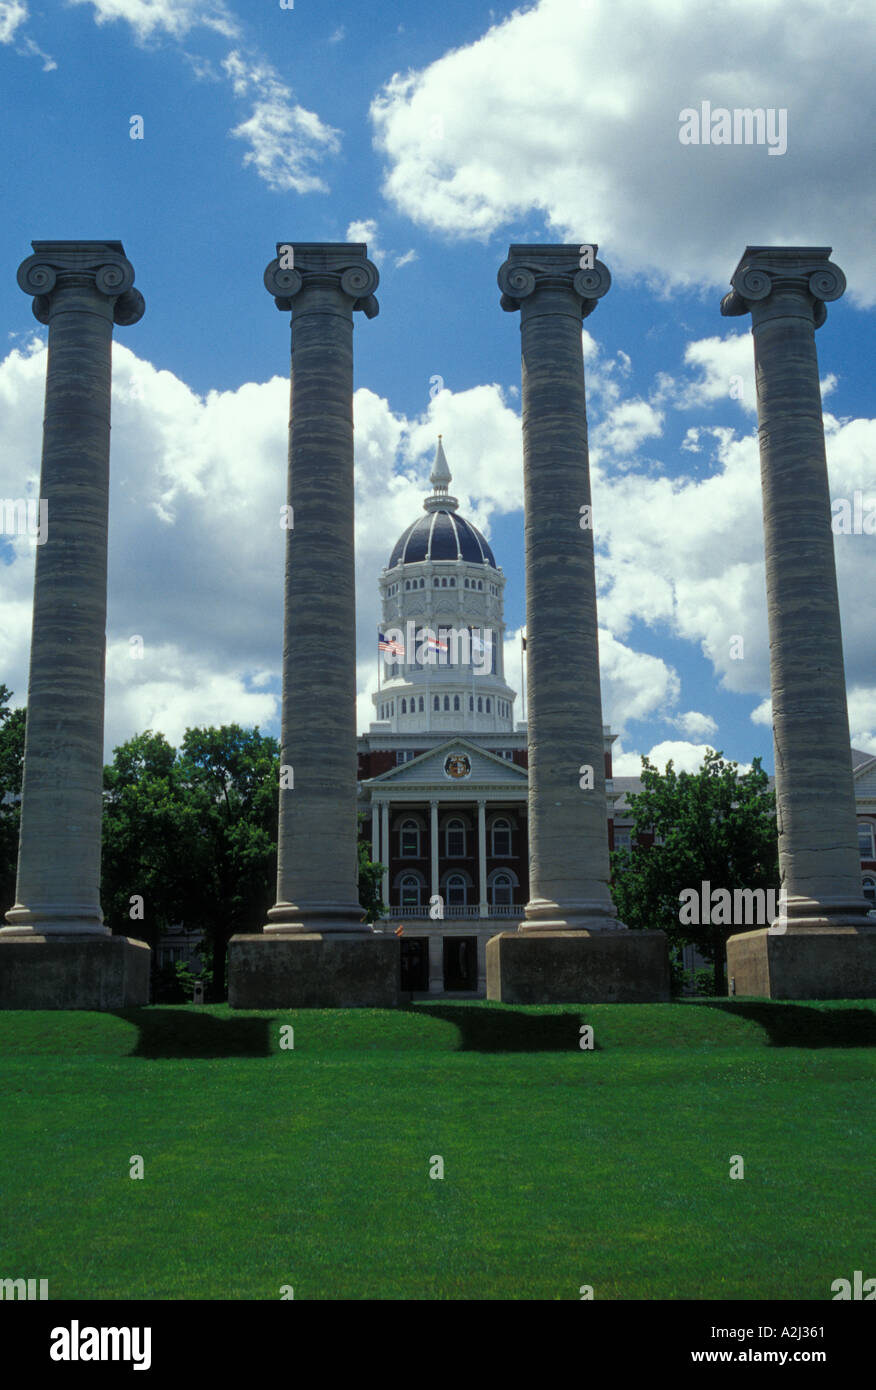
[456, 702]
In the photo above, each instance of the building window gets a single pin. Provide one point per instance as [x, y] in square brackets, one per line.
[480, 704]
[865, 840]
[471, 702]
[409, 891]
[502, 891]
[501, 838]
[410, 840]
[436, 703]
[453, 583]
[869, 886]
[454, 890]
[623, 837]
[480, 584]
[436, 583]
[456, 702]
[447, 702]
[421, 704]
[454, 839]
[488, 706]
[404, 708]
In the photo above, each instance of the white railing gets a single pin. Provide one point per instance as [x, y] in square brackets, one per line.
[422, 914]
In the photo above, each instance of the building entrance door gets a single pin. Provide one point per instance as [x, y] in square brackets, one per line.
[414, 963]
[460, 963]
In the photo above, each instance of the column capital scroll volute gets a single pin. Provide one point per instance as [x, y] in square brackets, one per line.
[805, 271]
[331, 265]
[531, 268]
[57, 265]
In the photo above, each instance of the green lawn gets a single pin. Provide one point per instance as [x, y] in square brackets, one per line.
[562, 1167]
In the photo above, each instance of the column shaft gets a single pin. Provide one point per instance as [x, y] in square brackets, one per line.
[784, 289]
[568, 845]
[384, 849]
[317, 869]
[82, 288]
[482, 860]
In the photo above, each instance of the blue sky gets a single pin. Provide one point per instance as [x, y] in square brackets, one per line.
[439, 135]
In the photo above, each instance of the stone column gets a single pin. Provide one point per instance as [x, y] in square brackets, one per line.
[829, 950]
[384, 849]
[375, 831]
[483, 910]
[568, 843]
[436, 961]
[64, 955]
[323, 285]
[434, 878]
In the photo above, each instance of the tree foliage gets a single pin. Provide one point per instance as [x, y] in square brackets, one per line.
[714, 825]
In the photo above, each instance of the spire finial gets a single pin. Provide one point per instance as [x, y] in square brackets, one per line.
[440, 478]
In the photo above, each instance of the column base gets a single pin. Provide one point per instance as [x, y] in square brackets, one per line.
[313, 970]
[578, 967]
[829, 962]
[73, 972]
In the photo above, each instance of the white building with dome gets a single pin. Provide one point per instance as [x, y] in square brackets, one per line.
[443, 767]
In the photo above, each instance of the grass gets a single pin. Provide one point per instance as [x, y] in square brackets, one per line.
[562, 1167]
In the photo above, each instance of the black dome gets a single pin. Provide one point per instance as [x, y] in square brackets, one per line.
[441, 535]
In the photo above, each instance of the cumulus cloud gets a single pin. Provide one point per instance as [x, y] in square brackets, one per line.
[479, 140]
[285, 140]
[177, 18]
[685, 757]
[13, 15]
[366, 230]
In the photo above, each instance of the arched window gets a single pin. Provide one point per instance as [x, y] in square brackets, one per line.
[480, 583]
[409, 891]
[471, 702]
[443, 583]
[456, 702]
[436, 703]
[410, 840]
[421, 704]
[501, 837]
[407, 583]
[502, 890]
[422, 583]
[454, 890]
[404, 707]
[488, 706]
[392, 707]
[436, 583]
[447, 702]
[453, 583]
[869, 885]
[480, 704]
[454, 839]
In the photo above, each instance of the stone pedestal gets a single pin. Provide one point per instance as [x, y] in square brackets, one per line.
[785, 288]
[804, 963]
[81, 289]
[555, 287]
[313, 970]
[295, 962]
[619, 967]
[55, 971]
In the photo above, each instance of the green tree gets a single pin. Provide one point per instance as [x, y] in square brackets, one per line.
[713, 825]
[12, 722]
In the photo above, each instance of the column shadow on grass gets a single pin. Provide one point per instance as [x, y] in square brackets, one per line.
[507, 1030]
[800, 1025]
[179, 1032]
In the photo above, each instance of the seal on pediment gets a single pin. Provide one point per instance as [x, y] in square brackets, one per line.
[457, 766]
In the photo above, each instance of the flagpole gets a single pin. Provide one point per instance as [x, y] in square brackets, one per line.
[522, 675]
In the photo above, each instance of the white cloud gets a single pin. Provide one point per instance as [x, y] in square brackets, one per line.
[366, 230]
[284, 138]
[13, 14]
[693, 723]
[686, 757]
[174, 17]
[406, 259]
[481, 140]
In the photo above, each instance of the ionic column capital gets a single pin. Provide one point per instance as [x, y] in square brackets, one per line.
[530, 270]
[778, 281]
[100, 269]
[339, 266]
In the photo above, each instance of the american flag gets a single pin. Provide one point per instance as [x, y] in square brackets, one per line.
[434, 644]
[390, 644]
